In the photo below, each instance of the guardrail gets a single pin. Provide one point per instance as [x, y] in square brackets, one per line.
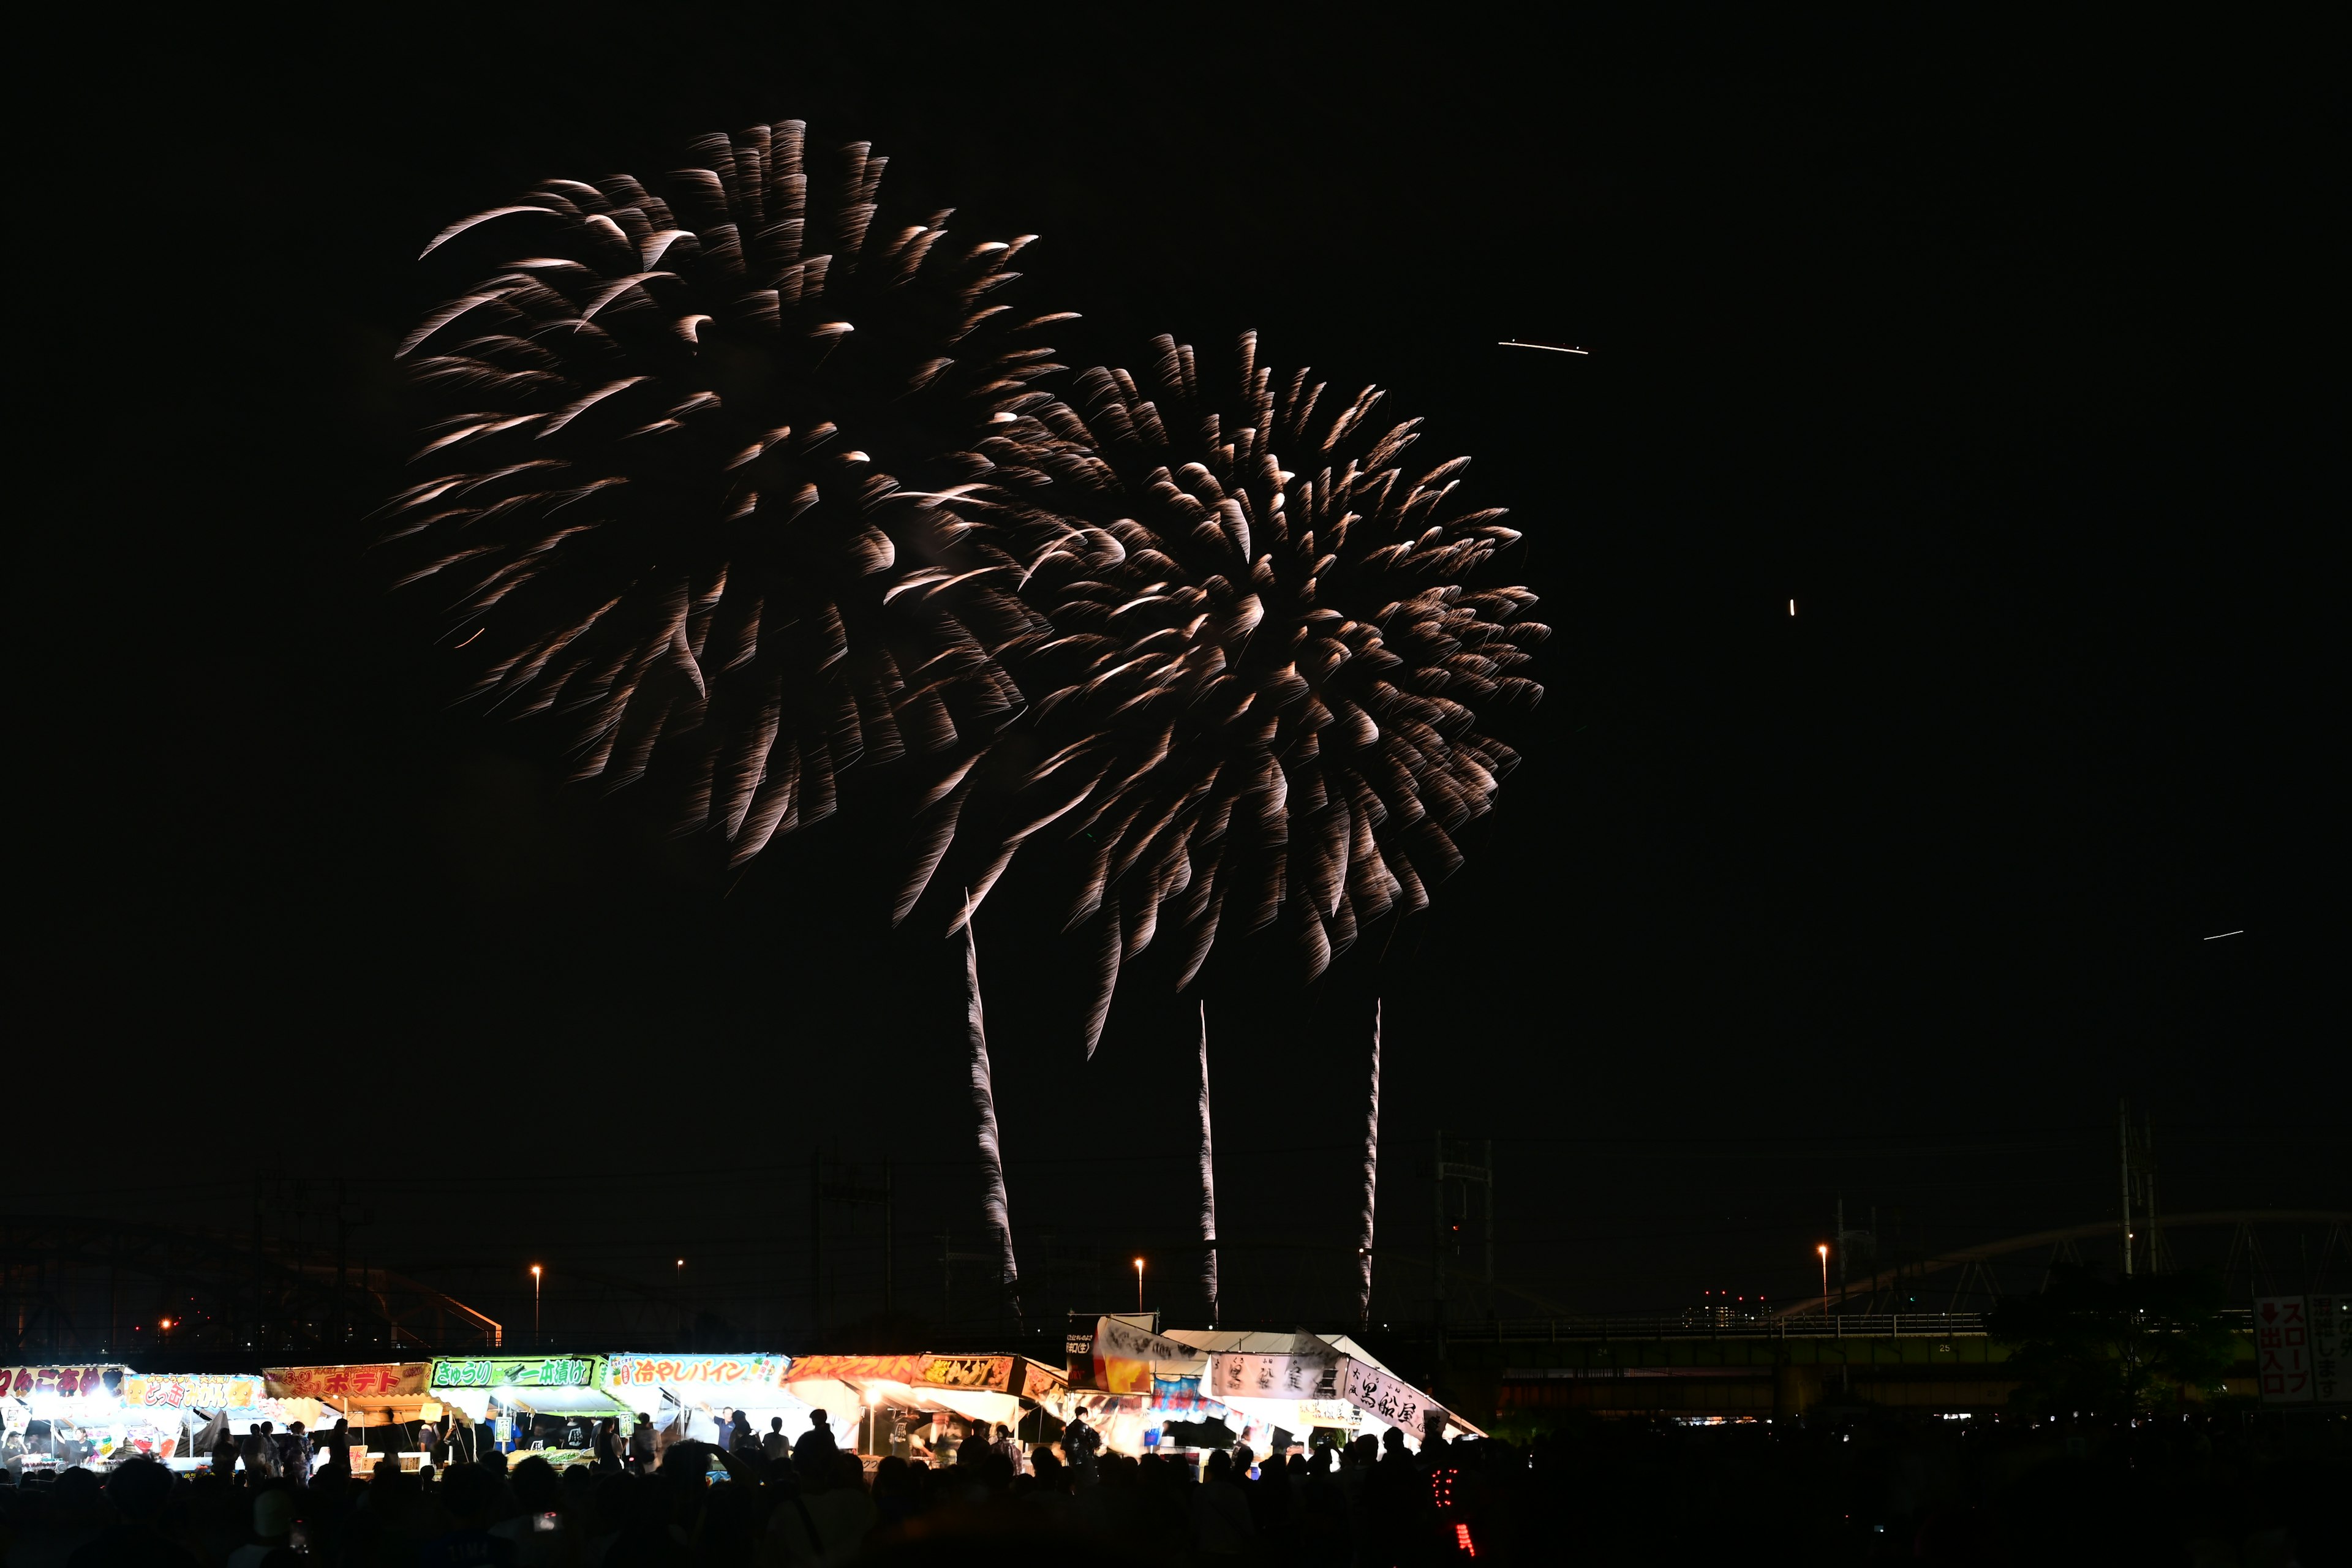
[1703, 1325]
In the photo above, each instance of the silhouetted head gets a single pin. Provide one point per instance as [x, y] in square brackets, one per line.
[137, 1489]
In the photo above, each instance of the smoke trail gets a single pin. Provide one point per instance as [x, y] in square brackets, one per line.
[984, 1105]
[1371, 1174]
[1208, 1180]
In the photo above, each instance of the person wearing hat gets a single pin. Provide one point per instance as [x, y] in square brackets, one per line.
[273, 1524]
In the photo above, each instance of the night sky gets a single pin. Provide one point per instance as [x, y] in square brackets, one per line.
[2002, 356]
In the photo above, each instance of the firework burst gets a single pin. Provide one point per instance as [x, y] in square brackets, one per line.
[1257, 655]
[672, 487]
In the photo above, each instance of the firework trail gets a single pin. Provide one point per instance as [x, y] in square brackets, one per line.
[984, 1104]
[665, 489]
[1259, 653]
[1208, 1180]
[1372, 1179]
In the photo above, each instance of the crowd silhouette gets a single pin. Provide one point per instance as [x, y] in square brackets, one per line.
[2202, 1488]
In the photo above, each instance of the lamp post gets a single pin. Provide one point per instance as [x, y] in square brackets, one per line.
[1139, 1285]
[534, 1307]
[1824, 1251]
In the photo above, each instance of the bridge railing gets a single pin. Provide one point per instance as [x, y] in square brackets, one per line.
[1703, 1325]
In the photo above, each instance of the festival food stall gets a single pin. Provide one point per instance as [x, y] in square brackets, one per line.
[694, 1396]
[872, 1401]
[53, 1418]
[186, 1404]
[502, 1396]
[1287, 1385]
[1139, 1389]
[384, 1402]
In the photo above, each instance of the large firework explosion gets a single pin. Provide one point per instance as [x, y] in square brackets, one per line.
[756, 486]
[673, 482]
[1257, 653]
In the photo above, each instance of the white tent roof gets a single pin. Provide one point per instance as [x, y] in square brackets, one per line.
[1225, 1342]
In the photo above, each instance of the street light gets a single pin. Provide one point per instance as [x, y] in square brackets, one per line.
[534, 1305]
[1824, 1251]
[1139, 1285]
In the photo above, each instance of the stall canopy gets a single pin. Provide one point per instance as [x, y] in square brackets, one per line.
[988, 1388]
[1299, 1381]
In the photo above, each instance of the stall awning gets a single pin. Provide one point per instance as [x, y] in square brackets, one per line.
[1310, 1373]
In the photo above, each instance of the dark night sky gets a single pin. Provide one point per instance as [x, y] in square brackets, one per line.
[1999, 355]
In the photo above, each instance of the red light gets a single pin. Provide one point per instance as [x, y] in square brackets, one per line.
[1462, 1539]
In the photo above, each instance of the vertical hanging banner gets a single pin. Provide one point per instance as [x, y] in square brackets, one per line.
[2331, 1325]
[2282, 1349]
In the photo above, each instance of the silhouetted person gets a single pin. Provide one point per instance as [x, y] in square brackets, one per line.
[273, 1526]
[135, 1494]
[469, 1496]
[817, 1441]
[775, 1445]
[1222, 1527]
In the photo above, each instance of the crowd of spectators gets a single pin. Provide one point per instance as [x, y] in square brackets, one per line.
[2206, 1491]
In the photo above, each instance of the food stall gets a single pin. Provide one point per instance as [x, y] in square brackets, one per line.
[695, 1395]
[1287, 1386]
[509, 1399]
[384, 1402]
[186, 1404]
[872, 1401]
[53, 1418]
[94, 1416]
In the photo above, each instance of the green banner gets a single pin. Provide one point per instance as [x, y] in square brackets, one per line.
[518, 1371]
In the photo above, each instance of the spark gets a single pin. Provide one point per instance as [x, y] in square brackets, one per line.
[478, 632]
[1549, 348]
[2219, 935]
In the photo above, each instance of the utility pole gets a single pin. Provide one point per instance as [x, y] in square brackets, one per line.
[816, 1246]
[2123, 1150]
[1490, 1228]
[1437, 1243]
[1840, 1247]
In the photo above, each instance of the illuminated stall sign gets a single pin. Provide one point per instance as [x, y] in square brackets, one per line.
[158, 1390]
[994, 1372]
[516, 1371]
[65, 1382]
[387, 1380]
[743, 1372]
[987, 1373]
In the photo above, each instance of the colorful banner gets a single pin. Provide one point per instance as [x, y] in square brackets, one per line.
[994, 1372]
[1042, 1383]
[859, 1368]
[738, 1371]
[516, 1371]
[160, 1391]
[1284, 1376]
[991, 1372]
[66, 1382]
[1124, 1355]
[382, 1380]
